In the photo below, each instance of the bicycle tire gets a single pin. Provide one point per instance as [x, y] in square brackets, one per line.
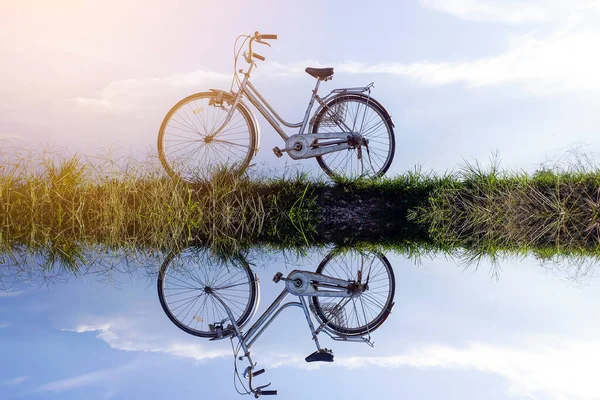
[185, 147]
[375, 125]
[341, 314]
[193, 268]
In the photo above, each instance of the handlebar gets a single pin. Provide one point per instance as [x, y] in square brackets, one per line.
[258, 38]
[265, 36]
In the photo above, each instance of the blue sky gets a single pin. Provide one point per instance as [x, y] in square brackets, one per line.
[453, 334]
[462, 78]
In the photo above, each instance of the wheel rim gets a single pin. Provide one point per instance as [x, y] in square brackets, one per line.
[366, 311]
[188, 283]
[188, 144]
[367, 120]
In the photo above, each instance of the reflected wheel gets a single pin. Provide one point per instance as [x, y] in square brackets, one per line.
[363, 312]
[188, 282]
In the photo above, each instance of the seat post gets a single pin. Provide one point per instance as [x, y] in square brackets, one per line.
[310, 106]
[316, 89]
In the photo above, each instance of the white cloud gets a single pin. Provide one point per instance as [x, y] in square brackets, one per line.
[515, 12]
[562, 62]
[561, 57]
[4, 324]
[13, 381]
[128, 94]
[133, 334]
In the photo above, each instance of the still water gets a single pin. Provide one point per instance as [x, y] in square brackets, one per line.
[516, 328]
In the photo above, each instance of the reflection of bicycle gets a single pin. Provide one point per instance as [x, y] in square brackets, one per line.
[350, 134]
[351, 294]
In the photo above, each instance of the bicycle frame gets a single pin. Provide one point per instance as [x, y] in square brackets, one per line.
[276, 121]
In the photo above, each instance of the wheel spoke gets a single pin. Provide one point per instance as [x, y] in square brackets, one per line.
[185, 146]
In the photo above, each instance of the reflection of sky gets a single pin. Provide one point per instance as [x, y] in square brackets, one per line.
[453, 334]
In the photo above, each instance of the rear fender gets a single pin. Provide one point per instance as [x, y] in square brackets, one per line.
[386, 114]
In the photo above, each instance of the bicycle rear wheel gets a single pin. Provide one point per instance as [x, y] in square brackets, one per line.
[188, 282]
[187, 146]
[362, 115]
[362, 314]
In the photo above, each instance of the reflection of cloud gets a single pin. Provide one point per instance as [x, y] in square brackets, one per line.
[129, 334]
[559, 369]
[9, 294]
[90, 378]
[14, 381]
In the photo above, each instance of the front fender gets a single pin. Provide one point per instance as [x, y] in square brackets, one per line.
[256, 131]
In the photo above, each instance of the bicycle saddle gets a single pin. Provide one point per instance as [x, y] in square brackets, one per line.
[320, 355]
[320, 73]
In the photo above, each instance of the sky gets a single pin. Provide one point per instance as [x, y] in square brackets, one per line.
[519, 330]
[462, 79]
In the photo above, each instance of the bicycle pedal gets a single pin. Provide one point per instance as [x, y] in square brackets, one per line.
[277, 277]
[277, 151]
[323, 355]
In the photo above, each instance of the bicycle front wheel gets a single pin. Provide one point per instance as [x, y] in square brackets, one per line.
[188, 283]
[362, 314]
[190, 150]
[361, 115]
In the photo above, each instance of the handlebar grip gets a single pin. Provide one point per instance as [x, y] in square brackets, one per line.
[256, 373]
[268, 392]
[268, 36]
[261, 58]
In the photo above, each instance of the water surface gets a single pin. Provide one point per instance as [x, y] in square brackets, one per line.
[516, 329]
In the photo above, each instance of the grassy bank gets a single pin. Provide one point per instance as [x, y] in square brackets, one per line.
[553, 211]
[55, 205]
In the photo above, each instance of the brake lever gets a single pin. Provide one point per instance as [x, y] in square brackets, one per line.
[261, 42]
[256, 389]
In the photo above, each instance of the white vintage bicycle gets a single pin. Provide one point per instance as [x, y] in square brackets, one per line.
[350, 134]
[350, 295]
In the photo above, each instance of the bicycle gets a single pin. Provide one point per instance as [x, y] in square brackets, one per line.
[351, 294]
[212, 131]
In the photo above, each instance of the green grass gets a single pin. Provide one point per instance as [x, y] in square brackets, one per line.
[53, 206]
[551, 211]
